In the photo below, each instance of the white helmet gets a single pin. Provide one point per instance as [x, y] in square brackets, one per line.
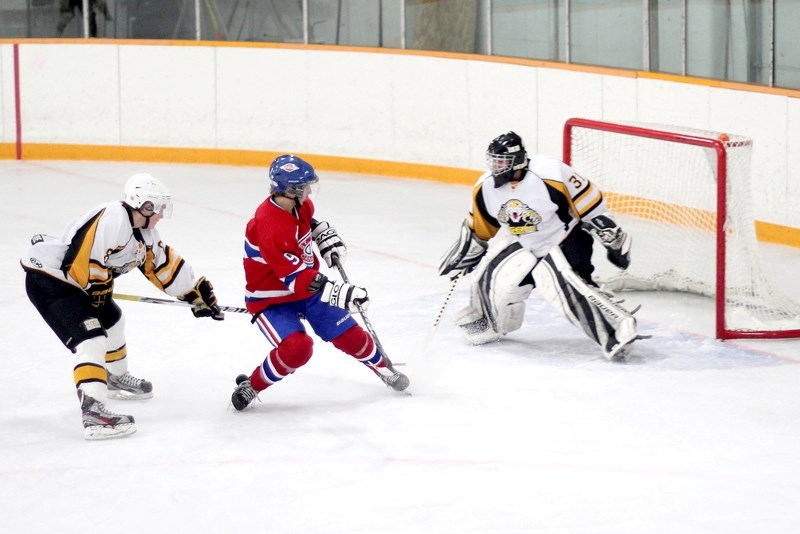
[143, 188]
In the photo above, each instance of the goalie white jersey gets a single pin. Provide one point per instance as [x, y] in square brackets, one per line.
[540, 210]
[542, 216]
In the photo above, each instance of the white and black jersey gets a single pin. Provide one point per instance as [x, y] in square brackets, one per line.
[101, 245]
[540, 210]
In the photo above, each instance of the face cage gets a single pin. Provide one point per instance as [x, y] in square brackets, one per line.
[499, 163]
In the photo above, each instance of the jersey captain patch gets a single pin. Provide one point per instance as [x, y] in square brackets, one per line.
[519, 217]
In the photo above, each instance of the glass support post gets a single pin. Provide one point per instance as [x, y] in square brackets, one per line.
[85, 17]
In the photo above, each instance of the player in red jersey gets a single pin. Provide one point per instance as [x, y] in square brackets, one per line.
[285, 287]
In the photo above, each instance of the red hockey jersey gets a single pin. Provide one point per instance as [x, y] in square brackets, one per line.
[279, 258]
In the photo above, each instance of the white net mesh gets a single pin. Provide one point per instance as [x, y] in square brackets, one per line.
[664, 193]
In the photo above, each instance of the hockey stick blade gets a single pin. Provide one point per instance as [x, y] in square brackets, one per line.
[168, 302]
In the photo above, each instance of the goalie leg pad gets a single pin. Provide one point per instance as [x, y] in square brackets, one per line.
[604, 321]
[502, 283]
[475, 312]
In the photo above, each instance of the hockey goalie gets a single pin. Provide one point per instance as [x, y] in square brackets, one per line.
[541, 217]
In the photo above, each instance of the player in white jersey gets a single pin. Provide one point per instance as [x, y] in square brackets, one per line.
[540, 215]
[70, 281]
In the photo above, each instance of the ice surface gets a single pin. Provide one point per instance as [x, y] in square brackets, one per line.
[536, 433]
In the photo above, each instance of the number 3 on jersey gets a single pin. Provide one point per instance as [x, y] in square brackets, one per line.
[576, 181]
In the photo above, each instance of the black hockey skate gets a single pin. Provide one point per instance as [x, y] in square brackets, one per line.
[244, 393]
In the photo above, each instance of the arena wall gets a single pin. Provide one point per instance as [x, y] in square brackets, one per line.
[376, 111]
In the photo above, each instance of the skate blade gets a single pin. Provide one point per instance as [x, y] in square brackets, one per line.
[623, 352]
[98, 432]
[621, 356]
[403, 391]
[120, 394]
[233, 408]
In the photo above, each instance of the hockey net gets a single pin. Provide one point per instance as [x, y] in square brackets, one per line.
[684, 195]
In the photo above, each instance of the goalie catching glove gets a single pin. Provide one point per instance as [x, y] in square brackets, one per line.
[203, 300]
[340, 294]
[464, 254]
[614, 238]
[329, 243]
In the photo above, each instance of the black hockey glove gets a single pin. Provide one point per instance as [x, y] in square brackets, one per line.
[464, 254]
[614, 238]
[328, 241]
[203, 300]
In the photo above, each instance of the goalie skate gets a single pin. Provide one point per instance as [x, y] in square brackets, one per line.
[479, 332]
[99, 423]
[128, 387]
[244, 394]
[626, 335]
[620, 352]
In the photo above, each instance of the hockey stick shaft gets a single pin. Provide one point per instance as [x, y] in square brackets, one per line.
[361, 312]
[168, 302]
[453, 283]
[432, 331]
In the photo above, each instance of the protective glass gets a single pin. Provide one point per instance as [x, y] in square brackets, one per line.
[151, 208]
[303, 191]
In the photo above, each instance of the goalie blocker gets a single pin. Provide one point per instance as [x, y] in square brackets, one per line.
[506, 278]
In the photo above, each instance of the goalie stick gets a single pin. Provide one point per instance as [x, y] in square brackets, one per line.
[152, 300]
[432, 331]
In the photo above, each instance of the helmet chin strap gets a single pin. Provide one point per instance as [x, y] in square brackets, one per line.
[146, 219]
[295, 198]
[295, 201]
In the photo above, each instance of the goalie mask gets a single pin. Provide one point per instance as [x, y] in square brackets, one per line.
[291, 177]
[506, 155]
[148, 195]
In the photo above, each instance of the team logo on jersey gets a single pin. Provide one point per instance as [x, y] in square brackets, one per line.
[118, 270]
[519, 217]
[305, 244]
[289, 167]
[114, 255]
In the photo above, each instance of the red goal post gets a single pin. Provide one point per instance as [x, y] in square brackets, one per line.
[684, 195]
